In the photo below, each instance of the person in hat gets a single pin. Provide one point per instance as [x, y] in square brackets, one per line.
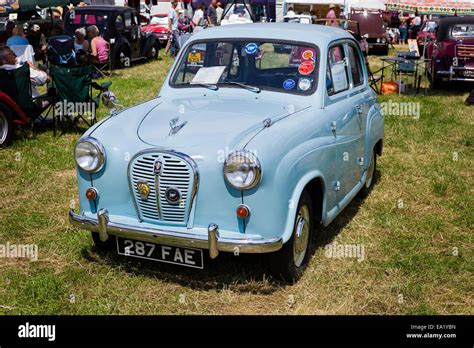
[332, 15]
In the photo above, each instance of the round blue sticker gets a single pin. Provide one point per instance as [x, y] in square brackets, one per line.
[251, 48]
[289, 84]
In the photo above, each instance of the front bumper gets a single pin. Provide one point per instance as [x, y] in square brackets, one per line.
[212, 241]
[457, 74]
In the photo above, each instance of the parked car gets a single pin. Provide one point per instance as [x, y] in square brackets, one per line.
[371, 24]
[120, 26]
[427, 33]
[303, 19]
[159, 27]
[451, 55]
[240, 152]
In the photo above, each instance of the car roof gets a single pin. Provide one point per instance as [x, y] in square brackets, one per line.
[104, 8]
[446, 23]
[318, 35]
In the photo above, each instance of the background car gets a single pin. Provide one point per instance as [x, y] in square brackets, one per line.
[371, 23]
[202, 171]
[451, 55]
[159, 27]
[427, 33]
[120, 26]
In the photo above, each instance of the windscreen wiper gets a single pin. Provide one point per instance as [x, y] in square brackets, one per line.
[243, 85]
[205, 85]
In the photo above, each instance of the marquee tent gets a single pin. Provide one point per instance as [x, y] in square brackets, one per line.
[442, 7]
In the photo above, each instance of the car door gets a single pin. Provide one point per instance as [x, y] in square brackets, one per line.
[130, 35]
[342, 104]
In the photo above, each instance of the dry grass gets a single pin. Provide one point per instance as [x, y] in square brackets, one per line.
[410, 264]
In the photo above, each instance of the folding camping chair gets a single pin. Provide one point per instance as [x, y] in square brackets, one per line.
[17, 85]
[406, 67]
[75, 100]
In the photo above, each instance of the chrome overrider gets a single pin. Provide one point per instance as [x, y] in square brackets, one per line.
[212, 241]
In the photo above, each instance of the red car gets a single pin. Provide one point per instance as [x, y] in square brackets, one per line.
[158, 26]
[427, 33]
[452, 53]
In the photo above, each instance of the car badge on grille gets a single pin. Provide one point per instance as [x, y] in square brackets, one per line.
[157, 167]
[172, 195]
[175, 127]
[144, 189]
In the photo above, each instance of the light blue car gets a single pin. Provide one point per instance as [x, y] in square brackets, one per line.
[259, 133]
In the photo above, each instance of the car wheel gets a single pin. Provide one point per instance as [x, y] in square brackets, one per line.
[292, 259]
[6, 126]
[371, 177]
[109, 244]
[122, 58]
[154, 50]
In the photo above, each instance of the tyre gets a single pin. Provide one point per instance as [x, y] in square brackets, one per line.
[6, 126]
[109, 244]
[371, 177]
[292, 259]
[122, 58]
[154, 51]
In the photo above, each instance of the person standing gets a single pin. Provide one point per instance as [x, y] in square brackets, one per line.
[198, 19]
[212, 14]
[332, 15]
[219, 11]
[172, 26]
[403, 29]
[416, 25]
[290, 12]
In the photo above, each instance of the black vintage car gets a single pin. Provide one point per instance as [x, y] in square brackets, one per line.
[120, 26]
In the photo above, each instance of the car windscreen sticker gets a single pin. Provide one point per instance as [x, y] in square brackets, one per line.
[304, 84]
[308, 55]
[306, 68]
[251, 48]
[289, 84]
[195, 58]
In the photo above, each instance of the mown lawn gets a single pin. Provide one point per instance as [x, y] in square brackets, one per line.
[416, 227]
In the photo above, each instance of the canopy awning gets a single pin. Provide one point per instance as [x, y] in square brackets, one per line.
[28, 5]
[316, 2]
[442, 7]
[368, 4]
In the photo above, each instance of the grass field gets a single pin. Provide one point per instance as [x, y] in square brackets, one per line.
[416, 227]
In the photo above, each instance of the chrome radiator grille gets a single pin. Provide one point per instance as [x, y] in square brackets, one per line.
[177, 173]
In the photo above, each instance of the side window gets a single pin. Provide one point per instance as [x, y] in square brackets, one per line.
[119, 22]
[337, 78]
[135, 20]
[128, 19]
[356, 68]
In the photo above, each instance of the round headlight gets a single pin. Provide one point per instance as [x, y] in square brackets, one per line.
[242, 170]
[384, 40]
[378, 40]
[89, 154]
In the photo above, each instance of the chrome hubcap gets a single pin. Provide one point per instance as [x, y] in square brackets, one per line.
[300, 244]
[370, 173]
[3, 128]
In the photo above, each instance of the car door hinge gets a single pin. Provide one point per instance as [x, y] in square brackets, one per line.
[360, 161]
[358, 108]
[334, 126]
[337, 185]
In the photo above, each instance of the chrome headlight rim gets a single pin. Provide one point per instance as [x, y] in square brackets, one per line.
[100, 150]
[249, 158]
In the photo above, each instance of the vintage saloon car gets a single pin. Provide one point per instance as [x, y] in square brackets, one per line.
[241, 151]
[452, 53]
[118, 25]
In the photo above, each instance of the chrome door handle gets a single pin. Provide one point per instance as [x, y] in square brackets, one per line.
[358, 109]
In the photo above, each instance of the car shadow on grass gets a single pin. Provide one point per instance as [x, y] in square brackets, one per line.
[244, 273]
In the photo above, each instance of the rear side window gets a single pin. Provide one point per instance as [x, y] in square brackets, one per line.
[337, 78]
[356, 68]
[128, 19]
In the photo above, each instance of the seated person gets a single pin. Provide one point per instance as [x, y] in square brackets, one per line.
[17, 38]
[99, 47]
[38, 41]
[8, 61]
[80, 42]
